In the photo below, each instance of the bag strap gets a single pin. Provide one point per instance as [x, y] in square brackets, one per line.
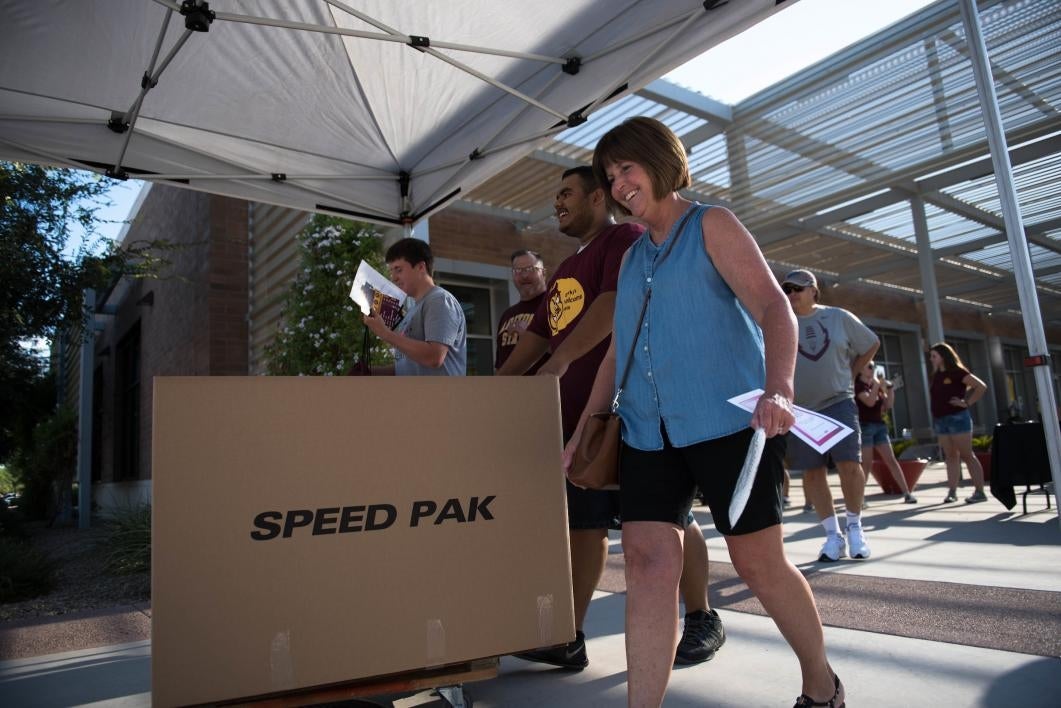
[644, 307]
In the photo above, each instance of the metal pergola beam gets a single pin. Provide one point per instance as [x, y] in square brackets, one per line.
[862, 206]
[686, 101]
[1032, 149]
[974, 213]
[899, 177]
[514, 215]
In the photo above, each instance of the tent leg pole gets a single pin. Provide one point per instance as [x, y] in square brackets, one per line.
[1018, 244]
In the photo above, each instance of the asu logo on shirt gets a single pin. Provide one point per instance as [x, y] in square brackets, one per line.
[512, 328]
[566, 299]
[816, 343]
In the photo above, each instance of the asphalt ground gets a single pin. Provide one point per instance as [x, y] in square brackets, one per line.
[960, 605]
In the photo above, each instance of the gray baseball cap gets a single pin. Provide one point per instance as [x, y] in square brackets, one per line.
[802, 278]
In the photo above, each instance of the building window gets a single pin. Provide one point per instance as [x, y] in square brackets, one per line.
[890, 356]
[478, 312]
[1013, 366]
[127, 407]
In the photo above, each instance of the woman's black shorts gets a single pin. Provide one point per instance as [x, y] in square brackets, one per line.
[659, 485]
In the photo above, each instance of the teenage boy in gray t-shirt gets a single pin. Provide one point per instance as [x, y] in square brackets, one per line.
[431, 340]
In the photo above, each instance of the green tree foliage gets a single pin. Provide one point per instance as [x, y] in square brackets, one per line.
[43, 273]
[38, 209]
[25, 572]
[7, 481]
[45, 466]
[322, 333]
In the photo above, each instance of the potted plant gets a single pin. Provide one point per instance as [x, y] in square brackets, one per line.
[912, 469]
[982, 450]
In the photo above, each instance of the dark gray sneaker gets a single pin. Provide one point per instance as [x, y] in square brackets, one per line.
[567, 656]
[702, 637]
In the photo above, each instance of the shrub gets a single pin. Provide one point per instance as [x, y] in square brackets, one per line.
[322, 333]
[12, 525]
[25, 572]
[7, 481]
[982, 443]
[899, 445]
[128, 541]
[46, 470]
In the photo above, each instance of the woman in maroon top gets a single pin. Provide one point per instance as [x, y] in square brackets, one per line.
[953, 391]
[875, 395]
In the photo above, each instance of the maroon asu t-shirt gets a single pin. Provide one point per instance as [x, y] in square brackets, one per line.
[513, 321]
[945, 386]
[574, 286]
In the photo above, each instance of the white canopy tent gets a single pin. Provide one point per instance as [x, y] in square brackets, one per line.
[384, 110]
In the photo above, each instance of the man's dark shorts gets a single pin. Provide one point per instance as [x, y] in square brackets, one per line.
[659, 485]
[592, 508]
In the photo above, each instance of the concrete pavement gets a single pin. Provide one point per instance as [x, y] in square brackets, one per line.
[921, 622]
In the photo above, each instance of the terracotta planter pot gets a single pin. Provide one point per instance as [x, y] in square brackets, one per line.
[985, 462]
[912, 470]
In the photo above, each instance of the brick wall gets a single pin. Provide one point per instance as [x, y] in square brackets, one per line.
[192, 319]
[227, 282]
[468, 236]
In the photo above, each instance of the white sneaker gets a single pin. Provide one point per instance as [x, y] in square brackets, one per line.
[833, 549]
[856, 541]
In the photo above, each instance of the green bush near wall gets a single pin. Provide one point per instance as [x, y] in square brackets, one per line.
[25, 572]
[128, 540]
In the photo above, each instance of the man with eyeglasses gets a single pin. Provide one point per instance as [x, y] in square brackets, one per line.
[834, 346]
[528, 275]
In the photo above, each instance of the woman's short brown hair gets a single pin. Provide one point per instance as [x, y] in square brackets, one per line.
[650, 144]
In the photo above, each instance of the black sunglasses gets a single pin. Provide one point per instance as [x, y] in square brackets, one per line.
[790, 288]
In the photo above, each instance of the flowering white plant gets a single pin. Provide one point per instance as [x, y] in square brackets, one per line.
[320, 333]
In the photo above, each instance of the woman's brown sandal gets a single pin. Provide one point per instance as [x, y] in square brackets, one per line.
[837, 701]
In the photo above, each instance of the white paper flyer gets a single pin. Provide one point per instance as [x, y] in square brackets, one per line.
[374, 293]
[815, 429]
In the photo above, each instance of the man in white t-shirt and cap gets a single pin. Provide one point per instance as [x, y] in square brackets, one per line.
[834, 346]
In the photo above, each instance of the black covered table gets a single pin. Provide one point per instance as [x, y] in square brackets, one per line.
[1018, 456]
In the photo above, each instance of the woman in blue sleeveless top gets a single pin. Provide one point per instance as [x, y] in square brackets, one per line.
[716, 326]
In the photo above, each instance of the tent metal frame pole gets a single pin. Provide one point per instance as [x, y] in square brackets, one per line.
[488, 148]
[451, 61]
[1018, 244]
[444, 45]
[148, 83]
[483, 153]
[604, 96]
[611, 48]
[396, 37]
[400, 38]
[496, 84]
[287, 177]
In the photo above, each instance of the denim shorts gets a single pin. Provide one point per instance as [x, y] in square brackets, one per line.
[953, 424]
[874, 434]
[802, 456]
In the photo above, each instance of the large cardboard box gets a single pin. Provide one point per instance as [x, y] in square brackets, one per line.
[309, 531]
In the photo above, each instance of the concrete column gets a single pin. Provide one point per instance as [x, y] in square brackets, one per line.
[84, 416]
[929, 290]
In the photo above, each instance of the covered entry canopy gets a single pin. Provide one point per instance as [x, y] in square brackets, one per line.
[380, 109]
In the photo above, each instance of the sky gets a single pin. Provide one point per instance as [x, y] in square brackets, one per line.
[792, 39]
